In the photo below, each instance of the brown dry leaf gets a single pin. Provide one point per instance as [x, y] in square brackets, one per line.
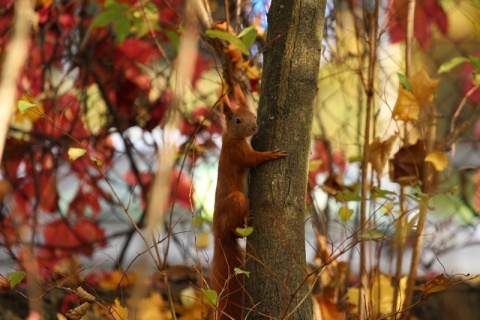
[222, 26]
[406, 166]
[423, 87]
[84, 295]
[437, 284]
[407, 106]
[69, 271]
[78, 312]
[438, 159]
[379, 154]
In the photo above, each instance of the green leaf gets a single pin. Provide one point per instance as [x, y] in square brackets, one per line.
[373, 235]
[348, 196]
[382, 193]
[210, 297]
[228, 37]
[248, 36]
[450, 64]
[353, 159]
[475, 61]
[75, 153]
[345, 213]
[16, 277]
[244, 232]
[105, 18]
[240, 271]
[23, 105]
[174, 38]
[198, 220]
[404, 81]
[122, 28]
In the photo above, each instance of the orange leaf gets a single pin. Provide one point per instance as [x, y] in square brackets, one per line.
[407, 106]
[437, 284]
[423, 87]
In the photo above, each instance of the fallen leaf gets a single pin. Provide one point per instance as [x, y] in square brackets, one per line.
[438, 159]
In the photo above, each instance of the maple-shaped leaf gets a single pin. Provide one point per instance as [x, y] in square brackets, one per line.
[437, 284]
[407, 106]
[120, 312]
[379, 152]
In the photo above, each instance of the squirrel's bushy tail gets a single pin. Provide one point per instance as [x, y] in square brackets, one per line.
[227, 256]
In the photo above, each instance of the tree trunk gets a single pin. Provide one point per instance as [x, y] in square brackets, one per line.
[277, 286]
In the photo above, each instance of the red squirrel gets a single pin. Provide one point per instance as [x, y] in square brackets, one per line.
[232, 205]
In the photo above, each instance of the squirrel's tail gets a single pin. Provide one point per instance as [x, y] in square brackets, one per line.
[229, 286]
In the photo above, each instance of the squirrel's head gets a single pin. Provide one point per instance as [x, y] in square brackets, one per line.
[240, 122]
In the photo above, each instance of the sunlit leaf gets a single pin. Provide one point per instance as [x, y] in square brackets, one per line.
[244, 232]
[450, 64]
[248, 36]
[345, 213]
[16, 277]
[210, 297]
[95, 161]
[23, 105]
[407, 107]
[119, 310]
[240, 271]
[75, 153]
[438, 159]
[224, 35]
[404, 81]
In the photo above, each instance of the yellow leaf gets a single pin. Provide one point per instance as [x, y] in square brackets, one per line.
[345, 213]
[117, 279]
[423, 87]
[120, 312]
[438, 159]
[203, 240]
[75, 153]
[407, 106]
[152, 308]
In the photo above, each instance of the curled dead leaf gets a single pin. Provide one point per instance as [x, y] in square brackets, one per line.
[84, 295]
[78, 312]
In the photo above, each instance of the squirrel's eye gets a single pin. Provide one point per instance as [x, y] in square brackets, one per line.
[238, 120]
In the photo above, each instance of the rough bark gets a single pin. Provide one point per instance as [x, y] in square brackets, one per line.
[277, 286]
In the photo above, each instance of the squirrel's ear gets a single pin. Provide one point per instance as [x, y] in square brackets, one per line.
[239, 96]
[226, 107]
